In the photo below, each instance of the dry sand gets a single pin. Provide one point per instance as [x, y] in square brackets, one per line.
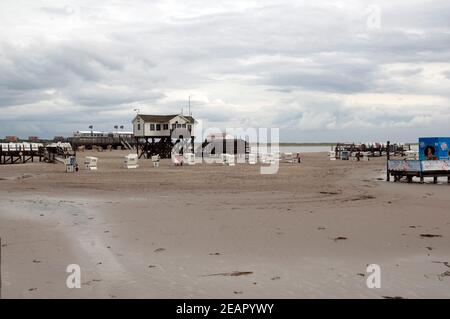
[212, 231]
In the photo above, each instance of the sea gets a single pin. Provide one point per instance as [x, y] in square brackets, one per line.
[297, 149]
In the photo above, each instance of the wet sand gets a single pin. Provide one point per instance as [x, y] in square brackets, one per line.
[211, 231]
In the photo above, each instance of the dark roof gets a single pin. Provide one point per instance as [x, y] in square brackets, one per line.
[189, 118]
[163, 118]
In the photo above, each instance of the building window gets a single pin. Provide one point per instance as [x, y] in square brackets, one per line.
[184, 125]
[189, 127]
[178, 125]
[174, 126]
[165, 126]
[139, 126]
[152, 127]
[158, 127]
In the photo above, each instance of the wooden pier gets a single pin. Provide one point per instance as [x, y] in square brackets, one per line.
[20, 153]
[163, 146]
[104, 142]
[408, 169]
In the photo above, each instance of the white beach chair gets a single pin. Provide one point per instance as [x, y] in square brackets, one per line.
[332, 155]
[228, 159]
[156, 159]
[252, 159]
[231, 160]
[189, 158]
[177, 159]
[288, 158]
[71, 164]
[131, 161]
[90, 163]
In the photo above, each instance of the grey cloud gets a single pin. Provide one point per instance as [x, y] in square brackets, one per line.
[283, 63]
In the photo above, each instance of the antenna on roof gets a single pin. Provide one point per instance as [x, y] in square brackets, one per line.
[189, 106]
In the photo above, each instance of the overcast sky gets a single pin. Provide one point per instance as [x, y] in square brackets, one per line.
[318, 70]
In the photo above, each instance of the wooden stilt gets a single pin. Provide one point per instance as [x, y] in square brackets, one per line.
[388, 177]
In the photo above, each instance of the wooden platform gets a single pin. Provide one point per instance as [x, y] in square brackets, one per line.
[408, 169]
[162, 146]
[20, 153]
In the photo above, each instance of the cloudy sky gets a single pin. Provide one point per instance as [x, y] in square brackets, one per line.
[318, 70]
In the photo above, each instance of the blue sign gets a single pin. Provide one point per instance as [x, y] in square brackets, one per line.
[434, 148]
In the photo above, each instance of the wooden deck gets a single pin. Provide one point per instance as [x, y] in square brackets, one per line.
[19, 153]
[408, 169]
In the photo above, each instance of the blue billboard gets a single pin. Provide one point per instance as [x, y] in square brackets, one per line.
[434, 148]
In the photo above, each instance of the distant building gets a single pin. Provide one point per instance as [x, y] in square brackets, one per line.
[158, 134]
[102, 134]
[161, 125]
[90, 139]
[12, 139]
[58, 139]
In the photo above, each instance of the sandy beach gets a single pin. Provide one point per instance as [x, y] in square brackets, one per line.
[212, 231]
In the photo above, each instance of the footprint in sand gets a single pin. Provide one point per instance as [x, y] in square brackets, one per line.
[275, 278]
[231, 274]
[444, 274]
[339, 238]
[430, 235]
